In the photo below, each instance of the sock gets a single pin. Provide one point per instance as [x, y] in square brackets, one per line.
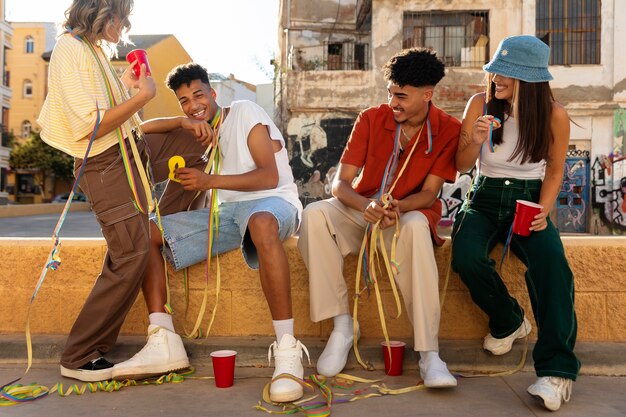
[343, 323]
[283, 327]
[429, 355]
[163, 320]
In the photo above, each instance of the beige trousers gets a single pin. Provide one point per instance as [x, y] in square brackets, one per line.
[330, 231]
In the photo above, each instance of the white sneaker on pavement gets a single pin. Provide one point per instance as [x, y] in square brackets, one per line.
[435, 372]
[287, 360]
[163, 353]
[335, 355]
[501, 346]
[552, 391]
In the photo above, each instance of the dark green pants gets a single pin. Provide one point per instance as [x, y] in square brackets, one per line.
[485, 221]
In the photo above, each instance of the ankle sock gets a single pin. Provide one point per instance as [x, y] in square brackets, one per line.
[282, 327]
[163, 320]
[429, 355]
[343, 324]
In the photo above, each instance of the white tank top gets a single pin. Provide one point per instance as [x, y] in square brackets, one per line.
[497, 165]
[243, 116]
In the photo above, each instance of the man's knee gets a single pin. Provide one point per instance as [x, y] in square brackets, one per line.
[263, 229]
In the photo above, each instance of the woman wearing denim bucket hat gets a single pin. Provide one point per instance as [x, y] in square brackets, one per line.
[527, 133]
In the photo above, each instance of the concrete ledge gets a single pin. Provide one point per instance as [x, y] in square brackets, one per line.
[598, 263]
[15, 210]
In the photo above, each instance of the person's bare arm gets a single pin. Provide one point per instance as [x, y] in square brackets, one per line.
[263, 177]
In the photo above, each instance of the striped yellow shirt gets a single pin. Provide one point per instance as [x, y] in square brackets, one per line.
[75, 85]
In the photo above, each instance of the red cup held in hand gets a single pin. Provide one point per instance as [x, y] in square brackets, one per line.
[224, 367]
[525, 213]
[393, 363]
[141, 57]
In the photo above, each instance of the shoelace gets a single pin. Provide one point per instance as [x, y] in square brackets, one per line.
[299, 347]
[563, 386]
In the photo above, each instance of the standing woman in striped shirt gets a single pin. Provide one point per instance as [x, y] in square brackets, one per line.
[86, 95]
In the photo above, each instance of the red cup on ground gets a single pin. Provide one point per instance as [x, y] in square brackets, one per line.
[393, 352]
[525, 213]
[224, 367]
[141, 57]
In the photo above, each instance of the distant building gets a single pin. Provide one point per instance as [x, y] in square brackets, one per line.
[29, 74]
[6, 33]
[229, 89]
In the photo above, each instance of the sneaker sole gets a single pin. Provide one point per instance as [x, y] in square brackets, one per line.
[441, 384]
[540, 399]
[287, 397]
[149, 372]
[87, 376]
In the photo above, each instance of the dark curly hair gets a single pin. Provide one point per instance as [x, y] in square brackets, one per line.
[185, 74]
[416, 67]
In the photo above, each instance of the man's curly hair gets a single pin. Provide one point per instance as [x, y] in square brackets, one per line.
[416, 67]
[185, 74]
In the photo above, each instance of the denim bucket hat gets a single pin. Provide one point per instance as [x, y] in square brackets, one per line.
[523, 57]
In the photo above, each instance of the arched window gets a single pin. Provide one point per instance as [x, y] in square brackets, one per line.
[29, 45]
[28, 88]
[27, 129]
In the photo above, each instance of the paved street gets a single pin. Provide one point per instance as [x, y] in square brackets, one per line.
[77, 224]
[595, 396]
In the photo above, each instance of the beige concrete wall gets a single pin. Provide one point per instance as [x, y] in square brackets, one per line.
[599, 267]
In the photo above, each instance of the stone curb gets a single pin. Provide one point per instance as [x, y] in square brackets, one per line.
[463, 355]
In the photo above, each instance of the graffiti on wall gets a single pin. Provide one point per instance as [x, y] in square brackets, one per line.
[316, 146]
[571, 204]
[452, 196]
[609, 179]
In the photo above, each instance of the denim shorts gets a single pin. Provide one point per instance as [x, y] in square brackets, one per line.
[186, 233]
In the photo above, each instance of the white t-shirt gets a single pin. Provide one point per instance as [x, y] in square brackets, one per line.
[496, 164]
[236, 157]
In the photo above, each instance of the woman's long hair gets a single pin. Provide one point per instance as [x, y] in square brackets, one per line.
[90, 18]
[532, 109]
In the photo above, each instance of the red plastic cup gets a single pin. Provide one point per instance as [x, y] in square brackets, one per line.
[394, 356]
[525, 213]
[141, 57]
[224, 367]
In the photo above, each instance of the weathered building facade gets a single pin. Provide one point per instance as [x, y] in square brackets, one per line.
[6, 43]
[331, 53]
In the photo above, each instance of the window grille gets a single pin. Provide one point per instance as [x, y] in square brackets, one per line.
[346, 56]
[459, 38]
[571, 28]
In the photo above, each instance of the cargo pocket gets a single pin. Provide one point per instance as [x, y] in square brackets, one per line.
[124, 231]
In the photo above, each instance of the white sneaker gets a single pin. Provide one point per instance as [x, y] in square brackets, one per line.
[504, 345]
[435, 373]
[335, 355]
[287, 361]
[163, 353]
[552, 391]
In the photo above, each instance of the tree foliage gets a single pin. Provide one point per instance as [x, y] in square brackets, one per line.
[38, 155]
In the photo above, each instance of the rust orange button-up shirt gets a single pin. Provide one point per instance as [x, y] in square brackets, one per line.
[371, 143]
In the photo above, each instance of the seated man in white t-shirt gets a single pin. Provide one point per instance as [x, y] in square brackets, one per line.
[258, 209]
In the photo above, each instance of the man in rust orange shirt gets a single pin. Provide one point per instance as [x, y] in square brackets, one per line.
[400, 154]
